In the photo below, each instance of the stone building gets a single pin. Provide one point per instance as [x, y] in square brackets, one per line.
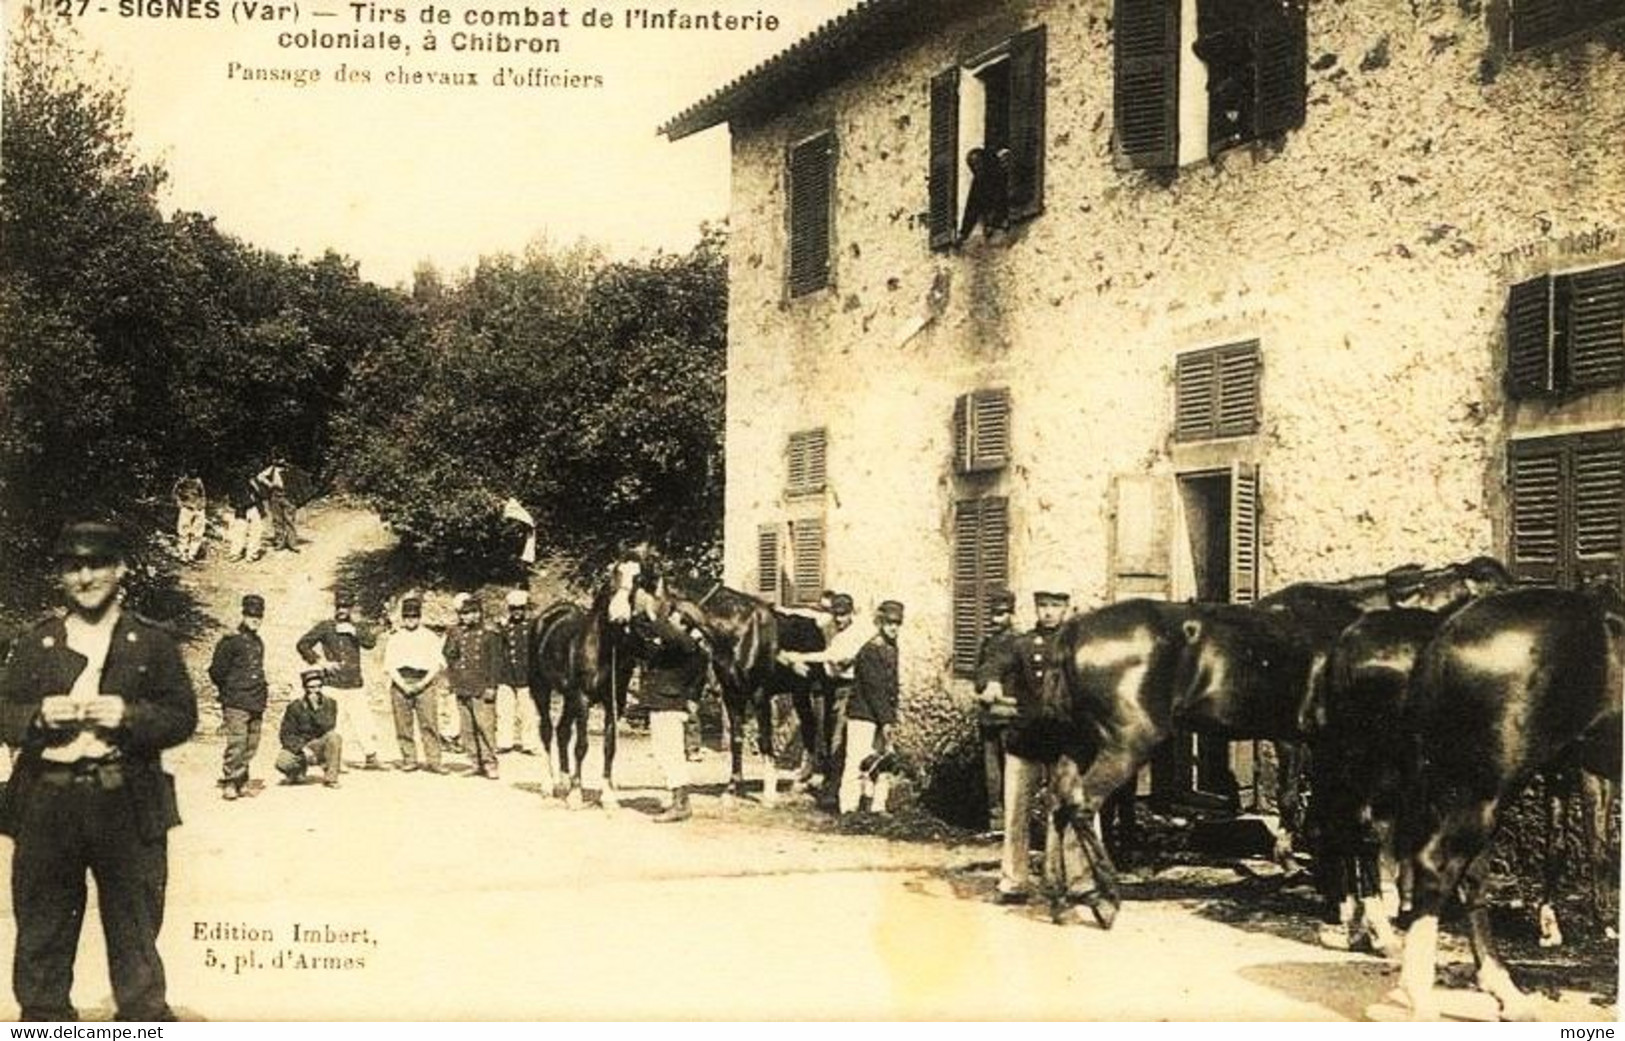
[1254, 295]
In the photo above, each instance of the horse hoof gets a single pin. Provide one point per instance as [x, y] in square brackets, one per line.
[1105, 912]
[1333, 937]
[1520, 1011]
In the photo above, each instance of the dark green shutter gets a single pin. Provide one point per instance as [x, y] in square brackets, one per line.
[1597, 471]
[944, 172]
[1529, 338]
[811, 186]
[1146, 81]
[1238, 406]
[981, 563]
[806, 560]
[767, 562]
[1536, 481]
[1196, 396]
[1280, 55]
[1594, 340]
[1027, 76]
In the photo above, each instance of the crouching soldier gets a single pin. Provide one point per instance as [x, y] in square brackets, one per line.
[674, 665]
[310, 734]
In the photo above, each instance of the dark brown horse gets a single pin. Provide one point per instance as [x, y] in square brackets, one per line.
[586, 656]
[1133, 672]
[1513, 684]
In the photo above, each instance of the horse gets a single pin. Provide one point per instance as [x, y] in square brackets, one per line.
[1514, 683]
[1131, 672]
[1355, 731]
[587, 657]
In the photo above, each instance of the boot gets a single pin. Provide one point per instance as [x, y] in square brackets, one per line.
[678, 810]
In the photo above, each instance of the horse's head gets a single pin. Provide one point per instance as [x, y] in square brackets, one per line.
[623, 588]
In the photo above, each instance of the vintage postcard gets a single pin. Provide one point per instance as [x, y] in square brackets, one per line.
[1072, 421]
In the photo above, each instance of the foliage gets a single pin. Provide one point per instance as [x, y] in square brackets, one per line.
[591, 391]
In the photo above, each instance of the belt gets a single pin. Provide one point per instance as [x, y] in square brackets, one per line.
[105, 774]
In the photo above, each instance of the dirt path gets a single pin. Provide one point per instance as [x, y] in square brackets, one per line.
[417, 897]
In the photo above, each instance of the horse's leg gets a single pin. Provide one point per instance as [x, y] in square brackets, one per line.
[1291, 758]
[764, 748]
[1078, 803]
[1368, 887]
[606, 792]
[576, 705]
[735, 710]
[1493, 978]
[542, 695]
[807, 726]
[1551, 932]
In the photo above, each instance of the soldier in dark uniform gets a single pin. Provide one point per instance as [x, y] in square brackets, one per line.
[310, 735]
[92, 698]
[473, 664]
[871, 708]
[335, 644]
[238, 673]
[518, 726]
[994, 708]
[673, 671]
[1029, 742]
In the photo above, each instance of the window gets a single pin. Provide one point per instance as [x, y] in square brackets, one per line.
[768, 580]
[982, 431]
[806, 560]
[1216, 392]
[1568, 508]
[1566, 333]
[806, 452]
[811, 186]
[981, 565]
[996, 105]
[1536, 22]
[1253, 53]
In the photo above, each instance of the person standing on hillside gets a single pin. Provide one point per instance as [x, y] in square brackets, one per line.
[335, 645]
[191, 517]
[92, 697]
[273, 484]
[245, 538]
[238, 673]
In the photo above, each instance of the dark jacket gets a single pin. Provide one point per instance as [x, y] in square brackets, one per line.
[993, 657]
[875, 687]
[238, 671]
[1032, 663]
[160, 711]
[343, 648]
[515, 654]
[673, 663]
[473, 661]
[302, 724]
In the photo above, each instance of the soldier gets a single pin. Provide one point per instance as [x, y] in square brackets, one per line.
[238, 673]
[1029, 744]
[473, 663]
[843, 641]
[92, 698]
[310, 734]
[673, 671]
[871, 708]
[191, 503]
[413, 661]
[335, 645]
[518, 726]
[245, 535]
[994, 708]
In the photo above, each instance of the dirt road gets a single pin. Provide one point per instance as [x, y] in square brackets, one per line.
[419, 897]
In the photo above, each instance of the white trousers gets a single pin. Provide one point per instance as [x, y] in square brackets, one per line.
[666, 734]
[860, 742]
[356, 722]
[518, 725]
[190, 526]
[246, 535]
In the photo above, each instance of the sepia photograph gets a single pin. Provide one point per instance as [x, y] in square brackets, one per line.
[812, 510]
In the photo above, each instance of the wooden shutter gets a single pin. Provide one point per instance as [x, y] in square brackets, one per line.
[1529, 338]
[1594, 340]
[943, 180]
[1598, 482]
[1537, 483]
[1196, 395]
[981, 563]
[811, 187]
[1146, 81]
[982, 430]
[807, 452]
[1141, 530]
[1027, 89]
[1237, 409]
[1244, 540]
[806, 559]
[767, 562]
[1280, 69]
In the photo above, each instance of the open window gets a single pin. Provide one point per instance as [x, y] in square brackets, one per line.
[989, 110]
[1251, 55]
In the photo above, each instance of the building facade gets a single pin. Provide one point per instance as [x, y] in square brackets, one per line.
[1257, 294]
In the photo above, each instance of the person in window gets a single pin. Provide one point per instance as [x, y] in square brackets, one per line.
[988, 202]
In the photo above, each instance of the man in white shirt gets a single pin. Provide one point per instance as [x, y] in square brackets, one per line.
[413, 661]
[845, 639]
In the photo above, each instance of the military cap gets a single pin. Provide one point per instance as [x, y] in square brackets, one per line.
[343, 597]
[1049, 596]
[254, 605]
[90, 540]
[518, 598]
[889, 611]
[840, 603]
[312, 673]
[411, 606]
[1001, 600]
[466, 602]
